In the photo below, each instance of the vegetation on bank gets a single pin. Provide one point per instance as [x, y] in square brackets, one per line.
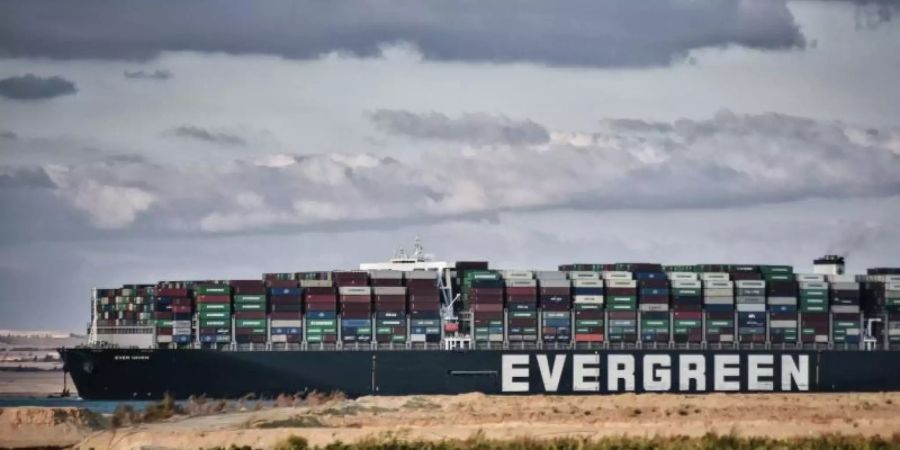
[707, 442]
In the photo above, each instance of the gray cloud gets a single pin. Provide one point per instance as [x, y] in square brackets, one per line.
[8, 135]
[576, 33]
[159, 74]
[24, 178]
[726, 161]
[475, 129]
[202, 134]
[32, 87]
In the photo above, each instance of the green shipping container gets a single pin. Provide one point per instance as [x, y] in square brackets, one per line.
[249, 298]
[250, 323]
[214, 307]
[212, 290]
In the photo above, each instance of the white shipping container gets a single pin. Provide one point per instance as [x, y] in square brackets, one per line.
[782, 300]
[810, 277]
[653, 307]
[755, 300]
[718, 284]
[315, 283]
[852, 332]
[750, 284]
[584, 275]
[726, 338]
[521, 283]
[892, 286]
[355, 290]
[715, 292]
[853, 309]
[813, 285]
[616, 275]
[550, 275]
[821, 338]
[588, 283]
[286, 323]
[417, 338]
[588, 299]
[386, 274]
[554, 283]
[718, 300]
[517, 274]
[164, 339]
[181, 323]
[687, 284]
[389, 290]
[783, 323]
[844, 286]
[840, 278]
[278, 338]
[621, 283]
[741, 307]
[682, 276]
[715, 276]
[421, 275]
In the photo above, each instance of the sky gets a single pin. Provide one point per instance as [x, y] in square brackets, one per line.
[144, 141]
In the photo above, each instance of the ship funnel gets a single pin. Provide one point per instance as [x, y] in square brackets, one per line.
[829, 265]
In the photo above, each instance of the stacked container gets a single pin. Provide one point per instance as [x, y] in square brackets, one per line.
[718, 301]
[521, 306]
[130, 306]
[485, 294]
[286, 310]
[320, 305]
[390, 306]
[844, 300]
[587, 301]
[174, 312]
[355, 298]
[777, 273]
[555, 301]
[424, 306]
[250, 307]
[214, 313]
[621, 305]
[653, 298]
[781, 297]
[813, 311]
[750, 303]
[687, 307]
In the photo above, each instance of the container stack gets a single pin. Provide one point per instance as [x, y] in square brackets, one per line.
[813, 311]
[355, 298]
[321, 305]
[555, 300]
[621, 304]
[718, 301]
[744, 272]
[844, 301]
[781, 297]
[174, 313]
[250, 307]
[390, 306]
[521, 306]
[653, 298]
[777, 273]
[286, 306]
[687, 307]
[882, 300]
[214, 308]
[587, 301]
[485, 294]
[130, 306]
[424, 306]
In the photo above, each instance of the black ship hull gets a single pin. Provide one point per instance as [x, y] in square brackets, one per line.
[115, 374]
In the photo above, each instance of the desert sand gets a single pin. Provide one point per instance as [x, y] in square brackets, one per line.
[447, 417]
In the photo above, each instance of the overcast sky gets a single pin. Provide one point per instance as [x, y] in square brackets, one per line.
[146, 140]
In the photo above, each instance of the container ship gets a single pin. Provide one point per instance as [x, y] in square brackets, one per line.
[414, 325]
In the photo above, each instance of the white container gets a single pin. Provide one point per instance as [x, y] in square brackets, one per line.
[520, 283]
[584, 275]
[852, 309]
[718, 284]
[653, 307]
[316, 283]
[718, 300]
[420, 275]
[726, 292]
[782, 300]
[588, 283]
[813, 285]
[726, 338]
[681, 276]
[616, 275]
[588, 299]
[278, 338]
[840, 278]
[844, 286]
[621, 283]
[687, 284]
[355, 290]
[554, 283]
[783, 324]
[517, 274]
[757, 300]
[810, 277]
[164, 339]
[750, 284]
[715, 276]
[389, 290]
[892, 286]
[550, 275]
[286, 323]
[386, 274]
[741, 307]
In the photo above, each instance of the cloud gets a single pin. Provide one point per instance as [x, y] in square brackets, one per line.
[610, 33]
[214, 137]
[24, 178]
[729, 160]
[159, 74]
[474, 129]
[32, 87]
[9, 135]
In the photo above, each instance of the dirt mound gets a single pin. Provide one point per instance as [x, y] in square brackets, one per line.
[34, 427]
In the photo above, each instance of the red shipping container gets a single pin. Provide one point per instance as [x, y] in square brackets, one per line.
[580, 337]
[181, 309]
[213, 299]
[421, 284]
[282, 283]
[488, 307]
[688, 315]
[163, 315]
[249, 314]
[313, 298]
[172, 292]
[164, 331]
[387, 282]
[320, 290]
